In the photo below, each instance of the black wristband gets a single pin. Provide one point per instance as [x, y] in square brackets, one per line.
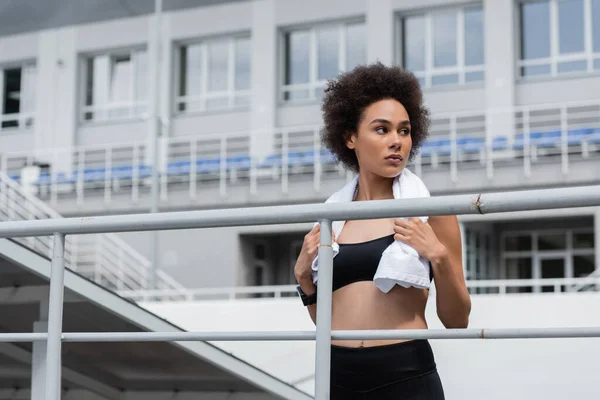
[307, 300]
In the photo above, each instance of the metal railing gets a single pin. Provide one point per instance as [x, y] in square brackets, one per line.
[103, 258]
[494, 286]
[325, 213]
[486, 139]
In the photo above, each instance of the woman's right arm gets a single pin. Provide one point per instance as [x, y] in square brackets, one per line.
[303, 267]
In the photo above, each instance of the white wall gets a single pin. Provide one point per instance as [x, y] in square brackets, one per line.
[471, 369]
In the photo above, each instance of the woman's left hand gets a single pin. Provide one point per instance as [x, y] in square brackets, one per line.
[420, 236]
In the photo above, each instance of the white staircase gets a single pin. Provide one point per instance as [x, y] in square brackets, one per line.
[102, 258]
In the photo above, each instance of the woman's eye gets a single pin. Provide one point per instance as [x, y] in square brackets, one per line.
[381, 129]
[405, 132]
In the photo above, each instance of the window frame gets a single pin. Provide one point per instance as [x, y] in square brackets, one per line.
[460, 69]
[313, 84]
[569, 252]
[135, 109]
[24, 119]
[555, 57]
[231, 94]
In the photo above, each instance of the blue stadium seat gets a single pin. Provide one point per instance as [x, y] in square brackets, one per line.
[295, 159]
[122, 172]
[499, 143]
[273, 160]
[470, 144]
[179, 167]
[43, 179]
[208, 165]
[594, 136]
[239, 163]
[576, 136]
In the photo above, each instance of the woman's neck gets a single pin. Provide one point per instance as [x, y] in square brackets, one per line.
[374, 187]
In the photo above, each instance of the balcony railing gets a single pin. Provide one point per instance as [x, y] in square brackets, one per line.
[104, 258]
[493, 287]
[485, 139]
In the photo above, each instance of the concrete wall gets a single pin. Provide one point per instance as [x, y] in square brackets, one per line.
[57, 50]
[519, 369]
[196, 258]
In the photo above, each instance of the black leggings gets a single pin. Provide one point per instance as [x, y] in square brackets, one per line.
[405, 370]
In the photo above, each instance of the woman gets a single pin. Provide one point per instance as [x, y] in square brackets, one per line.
[374, 123]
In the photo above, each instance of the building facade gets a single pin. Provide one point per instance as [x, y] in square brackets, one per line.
[511, 86]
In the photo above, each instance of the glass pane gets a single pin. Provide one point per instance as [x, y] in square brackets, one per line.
[319, 92]
[583, 240]
[356, 53]
[552, 241]
[444, 39]
[218, 103]
[328, 50]
[597, 63]
[474, 76]
[572, 66]
[296, 94]
[297, 58]
[414, 43]
[570, 23]
[535, 30]
[259, 251]
[191, 60]
[474, 36]
[444, 79]
[518, 268]
[120, 80]
[517, 243]
[536, 70]
[596, 24]
[11, 94]
[242, 101]
[242, 64]
[217, 65]
[141, 75]
[583, 266]
[89, 87]
[89, 82]
[552, 268]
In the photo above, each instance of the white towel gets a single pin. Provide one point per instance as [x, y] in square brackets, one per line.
[400, 263]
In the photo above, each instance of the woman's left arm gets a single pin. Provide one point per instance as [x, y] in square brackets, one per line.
[439, 241]
[453, 301]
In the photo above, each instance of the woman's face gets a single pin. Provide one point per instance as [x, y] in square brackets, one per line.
[383, 141]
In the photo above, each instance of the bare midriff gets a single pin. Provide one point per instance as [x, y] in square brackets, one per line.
[362, 306]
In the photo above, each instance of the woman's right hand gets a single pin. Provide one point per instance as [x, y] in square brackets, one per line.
[310, 249]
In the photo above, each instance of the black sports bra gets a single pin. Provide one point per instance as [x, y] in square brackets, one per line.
[359, 261]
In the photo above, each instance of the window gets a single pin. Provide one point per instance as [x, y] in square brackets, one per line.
[115, 86]
[314, 55]
[547, 254]
[18, 96]
[444, 47]
[214, 75]
[559, 37]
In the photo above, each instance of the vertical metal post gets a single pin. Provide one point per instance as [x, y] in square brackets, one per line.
[55, 319]
[597, 243]
[323, 341]
[38, 355]
[155, 125]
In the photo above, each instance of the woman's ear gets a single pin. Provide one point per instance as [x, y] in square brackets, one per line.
[350, 141]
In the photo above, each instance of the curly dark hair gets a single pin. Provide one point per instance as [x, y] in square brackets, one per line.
[347, 97]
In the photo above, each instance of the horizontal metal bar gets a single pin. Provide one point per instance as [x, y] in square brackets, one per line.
[582, 196]
[471, 333]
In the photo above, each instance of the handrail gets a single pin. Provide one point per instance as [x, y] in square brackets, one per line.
[276, 291]
[525, 200]
[325, 214]
[129, 262]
